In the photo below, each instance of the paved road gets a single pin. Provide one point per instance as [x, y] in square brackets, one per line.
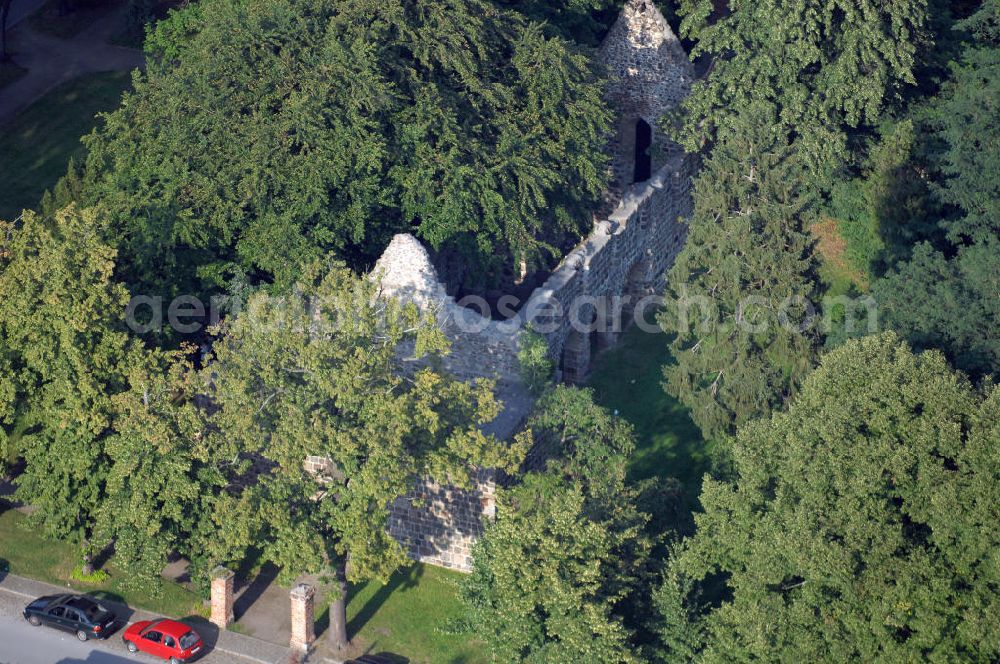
[20, 643]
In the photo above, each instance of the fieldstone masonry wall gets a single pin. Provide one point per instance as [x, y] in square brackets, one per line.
[597, 283]
[650, 75]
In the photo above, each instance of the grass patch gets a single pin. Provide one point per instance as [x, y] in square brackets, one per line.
[835, 266]
[37, 144]
[29, 554]
[53, 21]
[627, 379]
[406, 617]
[9, 72]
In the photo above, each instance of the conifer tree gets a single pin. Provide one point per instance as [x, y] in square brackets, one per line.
[265, 134]
[826, 66]
[947, 298]
[739, 295]
[966, 119]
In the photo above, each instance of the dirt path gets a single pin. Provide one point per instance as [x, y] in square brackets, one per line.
[51, 61]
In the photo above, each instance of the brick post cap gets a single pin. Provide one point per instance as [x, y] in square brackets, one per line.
[223, 573]
[303, 592]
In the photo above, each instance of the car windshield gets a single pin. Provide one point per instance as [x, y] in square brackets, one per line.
[188, 640]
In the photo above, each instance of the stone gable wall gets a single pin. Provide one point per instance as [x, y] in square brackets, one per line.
[598, 282]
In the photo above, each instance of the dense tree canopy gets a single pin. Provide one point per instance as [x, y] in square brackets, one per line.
[966, 118]
[738, 292]
[949, 297]
[583, 21]
[824, 65]
[315, 374]
[67, 354]
[568, 549]
[265, 134]
[164, 472]
[952, 304]
[861, 524]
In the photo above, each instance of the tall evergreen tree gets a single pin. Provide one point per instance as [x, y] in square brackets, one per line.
[861, 524]
[825, 66]
[739, 293]
[952, 304]
[966, 118]
[265, 134]
[583, 21]
[949, 299]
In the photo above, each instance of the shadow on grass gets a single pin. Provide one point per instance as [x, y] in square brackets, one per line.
[628, 380]
[8, 487]
[380, 658]
[4, 568]
[401, 580]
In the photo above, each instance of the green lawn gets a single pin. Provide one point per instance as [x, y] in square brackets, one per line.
[403, 617]
[628, 379]
[406, 617]
[28, 554]
[36, 145]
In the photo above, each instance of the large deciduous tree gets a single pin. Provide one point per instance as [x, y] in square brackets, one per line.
[738, 295]
[554, 575]
[164, 471]
[316, 374]
[265, 134]
[861, 524]
[67, 352]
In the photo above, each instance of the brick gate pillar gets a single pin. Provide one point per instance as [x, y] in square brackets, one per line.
[303, 598]
[222, 597]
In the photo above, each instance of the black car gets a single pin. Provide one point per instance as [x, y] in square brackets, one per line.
[73, 613]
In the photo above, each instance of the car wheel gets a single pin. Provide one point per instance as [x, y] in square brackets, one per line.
[34, 620]
[131, 646]
[174, 660]
[82, 635]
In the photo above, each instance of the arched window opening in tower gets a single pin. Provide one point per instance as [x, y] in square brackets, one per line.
[643, 159]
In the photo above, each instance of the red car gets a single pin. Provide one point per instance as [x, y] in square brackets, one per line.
[168, 639]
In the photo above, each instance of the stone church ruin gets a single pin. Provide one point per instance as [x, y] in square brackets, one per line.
[623, 259]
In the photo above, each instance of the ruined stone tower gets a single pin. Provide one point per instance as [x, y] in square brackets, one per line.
[650, 75]
[625, 256]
